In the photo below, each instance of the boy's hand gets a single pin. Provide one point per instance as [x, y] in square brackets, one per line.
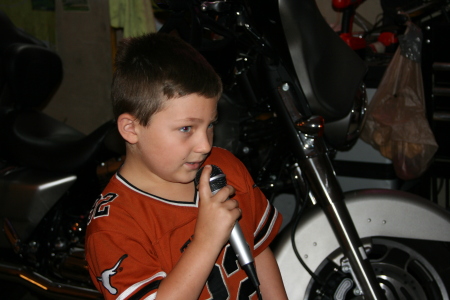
[217, 214]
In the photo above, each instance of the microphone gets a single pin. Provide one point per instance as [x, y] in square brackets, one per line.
[217, 181]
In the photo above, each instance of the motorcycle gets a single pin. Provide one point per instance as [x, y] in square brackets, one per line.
[50, 174]
[285, 73]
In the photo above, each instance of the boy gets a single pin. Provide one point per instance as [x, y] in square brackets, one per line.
[151, 234]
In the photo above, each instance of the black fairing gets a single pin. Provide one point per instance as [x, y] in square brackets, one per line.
[266, 18]
[329, 72]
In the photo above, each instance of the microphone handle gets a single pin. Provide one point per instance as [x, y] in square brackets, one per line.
[238, 242]
[243, 254]
[237, 239]
[240, 246]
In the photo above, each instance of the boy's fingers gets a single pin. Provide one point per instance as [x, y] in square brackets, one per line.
[203, 184]
[228, 192]
[232, 190]
[232, 204]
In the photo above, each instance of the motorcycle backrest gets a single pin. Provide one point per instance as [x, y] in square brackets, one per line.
[29, 71]
[11, 34]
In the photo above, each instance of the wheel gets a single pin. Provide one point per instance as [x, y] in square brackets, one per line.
[405, 269]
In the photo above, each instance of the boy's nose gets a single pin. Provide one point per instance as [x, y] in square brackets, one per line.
[204, 144]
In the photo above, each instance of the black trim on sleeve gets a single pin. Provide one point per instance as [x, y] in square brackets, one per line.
[265, 229]
[145, 289]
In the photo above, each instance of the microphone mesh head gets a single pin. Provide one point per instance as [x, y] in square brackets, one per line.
[217, 179]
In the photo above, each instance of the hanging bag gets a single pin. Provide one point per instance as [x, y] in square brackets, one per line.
[396, 122]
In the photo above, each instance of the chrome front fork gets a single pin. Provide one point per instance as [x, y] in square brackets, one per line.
[316, 166]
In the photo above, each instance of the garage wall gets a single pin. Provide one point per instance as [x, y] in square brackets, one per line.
[84, 44]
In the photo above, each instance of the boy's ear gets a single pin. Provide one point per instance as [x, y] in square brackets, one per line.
[126, 125]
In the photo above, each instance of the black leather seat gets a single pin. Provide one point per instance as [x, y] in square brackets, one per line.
[30, 73]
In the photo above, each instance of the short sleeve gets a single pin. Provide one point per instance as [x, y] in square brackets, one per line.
[120, 258]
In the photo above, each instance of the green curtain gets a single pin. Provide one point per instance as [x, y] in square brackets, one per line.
[134, 16]
[39, 22]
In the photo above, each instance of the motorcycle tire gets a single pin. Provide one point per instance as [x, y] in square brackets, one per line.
[406, 269]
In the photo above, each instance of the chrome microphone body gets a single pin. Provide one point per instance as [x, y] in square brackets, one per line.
[237, 240]
[240, 246]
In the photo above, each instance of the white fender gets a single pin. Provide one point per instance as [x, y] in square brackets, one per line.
[388, 213]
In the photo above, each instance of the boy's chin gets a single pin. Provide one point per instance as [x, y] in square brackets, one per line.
[186, 182]
[187, 179]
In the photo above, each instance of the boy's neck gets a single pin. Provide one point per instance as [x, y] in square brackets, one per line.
[184, 192]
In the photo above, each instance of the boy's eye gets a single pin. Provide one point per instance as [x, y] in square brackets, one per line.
[185, 129]
[212, 124]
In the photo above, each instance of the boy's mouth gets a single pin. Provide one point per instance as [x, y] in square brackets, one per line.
[194, 165]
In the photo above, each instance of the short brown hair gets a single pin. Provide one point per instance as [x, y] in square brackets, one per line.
[156, 67]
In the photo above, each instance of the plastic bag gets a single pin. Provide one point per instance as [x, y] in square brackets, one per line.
[396, 123]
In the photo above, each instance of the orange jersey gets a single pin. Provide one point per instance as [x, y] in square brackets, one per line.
[134, 239]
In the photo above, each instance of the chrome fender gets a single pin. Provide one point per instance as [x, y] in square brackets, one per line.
[375, 212]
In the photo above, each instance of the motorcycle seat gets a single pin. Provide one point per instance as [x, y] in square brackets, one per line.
[30, 75]
[36, 140]
[29, 71]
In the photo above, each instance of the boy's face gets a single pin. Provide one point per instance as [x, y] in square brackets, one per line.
[178, 138]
